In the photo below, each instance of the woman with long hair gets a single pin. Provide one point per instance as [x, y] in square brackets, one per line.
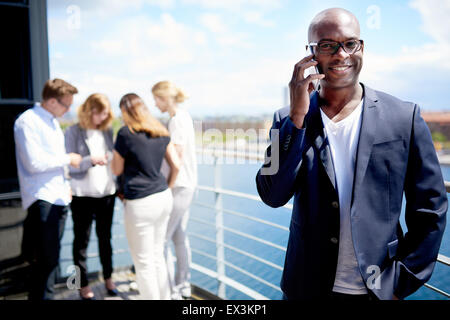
[140, 148]
[93, 187]
[167, 97]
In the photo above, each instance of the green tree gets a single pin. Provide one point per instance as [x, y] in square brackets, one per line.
[438, 137]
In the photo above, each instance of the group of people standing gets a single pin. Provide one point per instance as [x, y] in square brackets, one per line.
[152, 169]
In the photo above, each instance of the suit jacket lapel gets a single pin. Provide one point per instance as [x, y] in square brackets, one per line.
[319, 138]
[370, 119]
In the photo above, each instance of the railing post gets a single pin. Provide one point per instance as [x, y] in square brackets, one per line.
[220, 252]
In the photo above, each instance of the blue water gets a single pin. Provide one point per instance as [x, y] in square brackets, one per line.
[238, 177]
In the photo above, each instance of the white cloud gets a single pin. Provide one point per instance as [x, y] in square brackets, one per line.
[256, 17]
[250, 11]
[223, 35]
[165, 4]
[106, 8]
[234, 40]
[435, 15]
[414, 67]
[254, 88]
[136, 51]
[213, 23]
[235, 5]
[111, 47]
[148, 46]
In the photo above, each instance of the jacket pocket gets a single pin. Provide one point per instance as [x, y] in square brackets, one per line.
[394, 145]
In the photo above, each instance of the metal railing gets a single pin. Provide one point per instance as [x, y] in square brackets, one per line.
[221, 263]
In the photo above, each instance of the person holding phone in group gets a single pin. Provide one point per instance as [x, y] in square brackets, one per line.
[42, 161]
[167, 97]
[93, 187]
[348, 154]
[140, 147]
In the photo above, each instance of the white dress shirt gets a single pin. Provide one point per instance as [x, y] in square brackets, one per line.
[41, 158]
[343, 139]
[98, 181]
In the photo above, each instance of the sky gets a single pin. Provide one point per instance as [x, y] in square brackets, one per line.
[236, 57]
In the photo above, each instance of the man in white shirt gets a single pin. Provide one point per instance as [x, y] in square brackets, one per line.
[41, 163]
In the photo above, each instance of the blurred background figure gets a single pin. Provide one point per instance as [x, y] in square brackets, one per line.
[93, 187]
[181, 128]
[45, 191]
[140, 148]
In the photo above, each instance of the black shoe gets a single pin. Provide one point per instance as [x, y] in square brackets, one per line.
[112, 292]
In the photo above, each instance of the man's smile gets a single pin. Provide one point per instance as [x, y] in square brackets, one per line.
[340, 69]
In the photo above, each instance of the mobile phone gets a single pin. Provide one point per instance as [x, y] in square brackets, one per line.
[312, 70]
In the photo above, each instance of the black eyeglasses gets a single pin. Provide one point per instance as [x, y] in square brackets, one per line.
[330, 47]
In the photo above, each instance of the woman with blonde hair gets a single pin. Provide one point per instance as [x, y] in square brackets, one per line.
[167, 97]
[140, 148]
[93, 187]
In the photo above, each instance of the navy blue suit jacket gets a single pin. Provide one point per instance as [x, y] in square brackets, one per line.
[395, 156]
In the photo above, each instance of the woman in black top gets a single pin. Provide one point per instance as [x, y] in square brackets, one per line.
[139, 150]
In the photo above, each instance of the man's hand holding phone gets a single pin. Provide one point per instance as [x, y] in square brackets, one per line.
[300, 88]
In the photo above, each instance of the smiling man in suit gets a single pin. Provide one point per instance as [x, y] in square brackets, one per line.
[348, 155]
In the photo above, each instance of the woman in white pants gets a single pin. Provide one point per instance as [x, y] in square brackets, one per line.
[181, 128]
[140, 148]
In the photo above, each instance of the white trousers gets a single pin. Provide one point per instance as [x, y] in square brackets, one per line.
[145, 225]
[176, 232]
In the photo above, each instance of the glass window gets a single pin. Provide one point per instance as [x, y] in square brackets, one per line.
[15, 78]
[24, 2]
[8, 169]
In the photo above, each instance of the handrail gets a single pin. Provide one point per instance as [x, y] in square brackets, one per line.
[441, 258]
[10, 196]
[447, 186]
[240, 234]
[220, 191]
[237, 250]
[237, 268]
[238, 194]
[238, 214]
[442, 292]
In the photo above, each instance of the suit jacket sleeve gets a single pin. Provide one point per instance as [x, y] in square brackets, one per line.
[425, 215]
[276, 178]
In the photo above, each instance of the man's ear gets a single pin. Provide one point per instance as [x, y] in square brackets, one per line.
[51, 101]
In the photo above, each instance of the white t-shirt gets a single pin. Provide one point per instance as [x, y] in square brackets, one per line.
[181, 129]
[98, 181]
[343, 139]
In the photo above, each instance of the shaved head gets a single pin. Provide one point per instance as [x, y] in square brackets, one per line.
[332, 19]
[341, 69]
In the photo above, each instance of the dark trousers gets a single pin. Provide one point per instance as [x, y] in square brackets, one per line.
[84, 211]
[42, 232]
